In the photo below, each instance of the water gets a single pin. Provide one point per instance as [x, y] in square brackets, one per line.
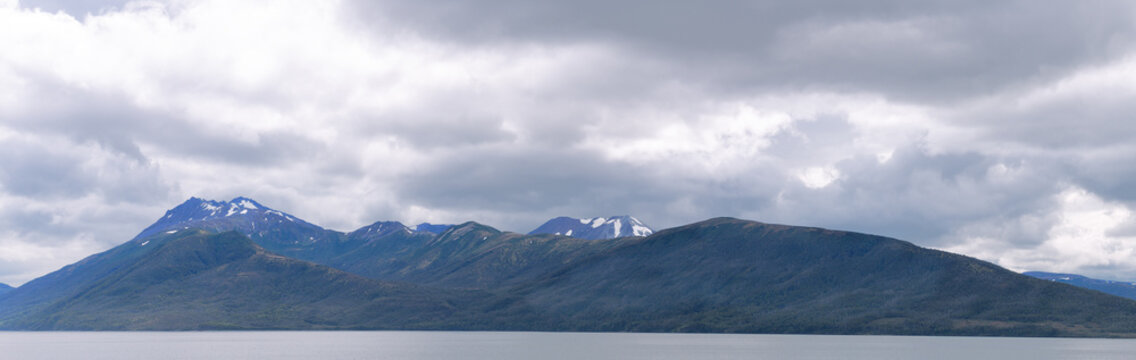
[411, 345]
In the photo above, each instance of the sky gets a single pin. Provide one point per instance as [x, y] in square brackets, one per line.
[1002, 130]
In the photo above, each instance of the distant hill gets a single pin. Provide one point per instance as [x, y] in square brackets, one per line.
[1118, 288]
[594, 228]
[4, 289]
[196, 280]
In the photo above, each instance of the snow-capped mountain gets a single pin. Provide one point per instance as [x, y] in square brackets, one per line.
[273, 229]
[595, 228]
[382, 228]
[379, 229]
[239, 214]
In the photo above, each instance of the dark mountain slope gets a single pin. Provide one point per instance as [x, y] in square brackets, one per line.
[1119, 288]
[4, 289]
[205, 280]
[728, 275]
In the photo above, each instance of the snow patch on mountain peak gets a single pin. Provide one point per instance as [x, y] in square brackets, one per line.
[597, 222]
[247, 204]
[595, 228]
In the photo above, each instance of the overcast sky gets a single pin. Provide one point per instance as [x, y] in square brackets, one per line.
[1001, 130]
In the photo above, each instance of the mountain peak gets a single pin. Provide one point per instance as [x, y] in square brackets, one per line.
[473, 226]
[197, 211]
[196, 204]
[595, 228]
[246, 203]
[380, 228]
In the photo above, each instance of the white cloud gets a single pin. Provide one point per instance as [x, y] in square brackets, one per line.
[818, 177]
[1077, 235]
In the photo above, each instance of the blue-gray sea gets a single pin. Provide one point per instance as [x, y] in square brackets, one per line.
[411, 345]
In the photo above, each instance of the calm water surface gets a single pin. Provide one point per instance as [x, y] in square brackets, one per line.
[411, 345]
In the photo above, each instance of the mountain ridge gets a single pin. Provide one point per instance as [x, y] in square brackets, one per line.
[1125, 289]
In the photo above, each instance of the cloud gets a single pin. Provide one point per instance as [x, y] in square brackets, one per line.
[928, 51]
[960, 125]
[1080, 235]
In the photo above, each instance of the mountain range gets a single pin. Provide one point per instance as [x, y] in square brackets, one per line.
[240, 265]
[1119, 288]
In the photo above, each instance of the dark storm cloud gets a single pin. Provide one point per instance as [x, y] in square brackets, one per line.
[1089, 119]
[36, 171]
[77, 9]
[923, 197]
[109, 120]
[115, 122]
[930, 51]
[438, 129]
[49, 171]
[26, 220]
[1109, 174]
[514, 181]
